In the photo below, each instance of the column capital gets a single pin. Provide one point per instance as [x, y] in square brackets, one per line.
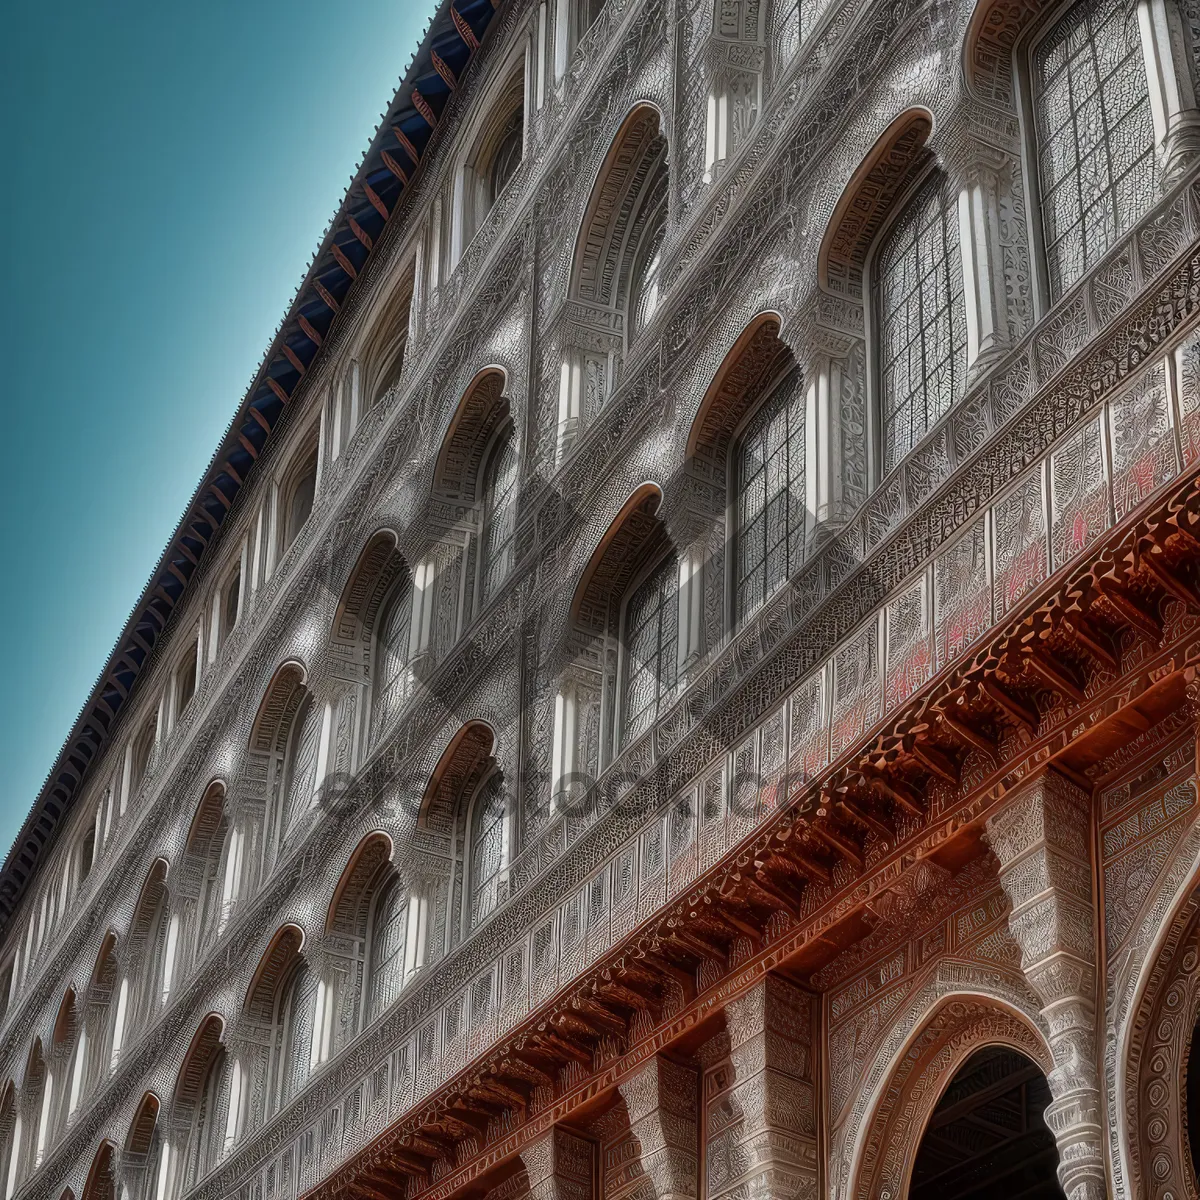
[826, 326]
[976, 140]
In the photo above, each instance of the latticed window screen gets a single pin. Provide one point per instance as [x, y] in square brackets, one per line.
[651, 636]
[392, 675]
[1095, 136]
[500, 495]
[387, 949]
[487, 848]
[302, 777]
[296, 1047]
[922, 322]
[770, 474]
[648, 265]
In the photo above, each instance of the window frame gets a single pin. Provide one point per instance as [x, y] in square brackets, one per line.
[616, 737]
[873, 328]
[504, 436]
[733, 495]
[1023, 52]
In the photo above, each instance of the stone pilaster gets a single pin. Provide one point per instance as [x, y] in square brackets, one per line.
[662, 1100]
[561, 1166]
[1042, 841]
[829, 346]
[1172, 97]
[762, 1136]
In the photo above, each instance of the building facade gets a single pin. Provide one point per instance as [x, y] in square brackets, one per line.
[681, 678]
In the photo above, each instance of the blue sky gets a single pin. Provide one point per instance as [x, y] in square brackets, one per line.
[167, 170]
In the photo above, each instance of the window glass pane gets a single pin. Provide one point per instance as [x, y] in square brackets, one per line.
[387, 947]
[487, 849]
[922, 332]
[1095, 136]
[500, 494]
[770, 473]
[651, 634]
[392, 676]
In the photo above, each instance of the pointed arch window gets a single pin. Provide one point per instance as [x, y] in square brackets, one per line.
[205, 1137]
[487, 847]
[10, 1131]
[647, 263]
[393, 677]
[499, 515]
[389, 924]
[771, 514]
[922, 320]
[1095, 135]
[650, 645]
[302, 766]
[295, 1013]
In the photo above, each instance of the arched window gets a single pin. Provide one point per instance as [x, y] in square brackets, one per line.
[1095, 135]
[205, 1136]
[10, 1131]
[643, 291]
[301, 777]
[499, 515]
[141, 1159]
[487, 847]
[295, 1010]
[185, 681]
[142, 748]
[393, 678]
[922, 324]
[364, 941]
[492, 161]
[233, 600]
[208, 849]
[623, 644]
[37, 1096]
[101, 1178]
[283, 747]
[462, 814]
[771, 513]
[146, 956]
[101, 1014]
[615, 270]
[650, 638]
[389, 925]
[507, 156]
[299, 492]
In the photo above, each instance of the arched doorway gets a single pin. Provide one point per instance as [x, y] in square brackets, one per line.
[987, 1139]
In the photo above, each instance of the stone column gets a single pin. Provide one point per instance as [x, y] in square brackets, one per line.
[661, 1100]
[829, 347]
[1041, 839]
[980, 151]
[1172, 98]
[984, 286]
[768, 1146]
[560, 1166]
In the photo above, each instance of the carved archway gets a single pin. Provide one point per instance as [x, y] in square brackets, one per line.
[378, 568]
[753, 363]
[460, 770]
[637, 533]
[1156, 1066]
[620, 203]
[888, 1140]
[140, 1137]
[993, 31]
[480, 413]
[898, 157]
[101, 1179]
[369, 864]
[277, 962]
